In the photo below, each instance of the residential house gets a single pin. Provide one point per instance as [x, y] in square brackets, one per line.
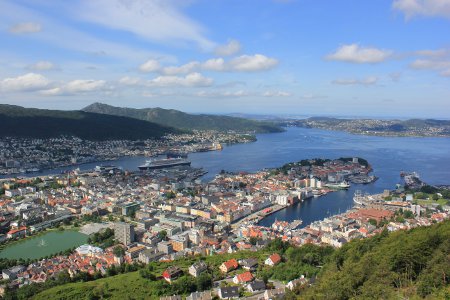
[249, 264]
[228, 292]
[172, 273]
[229, 266]
[19, 232]
[256, 286]
[150, 255]
[296, 282]
[197, 268]
[274, 294]
[206, 295]
[273, 260]
[245, 277]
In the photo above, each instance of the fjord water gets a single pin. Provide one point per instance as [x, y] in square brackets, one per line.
[430, 157]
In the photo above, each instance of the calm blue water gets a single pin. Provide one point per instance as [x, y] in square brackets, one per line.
[430, 157]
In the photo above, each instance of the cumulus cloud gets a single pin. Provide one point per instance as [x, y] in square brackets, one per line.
[26, 27]
[215, 64]
[151, 65]
[24, 83]
[243, 63]
[190, 80]
[429, 8]
[252, 63]
[435, 60]
[74, 87]
[183, 69]
[354, 53]
[42, 66]
[367, 81]
[156, 20]
[81, 85]
[231, 48]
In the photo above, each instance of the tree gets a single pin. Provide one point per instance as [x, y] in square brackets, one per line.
[118, 251]
[373, 222]
[162, 235]
[204, 282]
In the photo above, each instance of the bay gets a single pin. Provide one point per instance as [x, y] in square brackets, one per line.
[430, 157]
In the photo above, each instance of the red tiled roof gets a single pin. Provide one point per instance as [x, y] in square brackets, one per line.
[275, 258]
[231, 264]
[245, 277]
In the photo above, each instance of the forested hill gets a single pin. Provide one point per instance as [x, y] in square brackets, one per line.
[17, 121]
[178, 119]
[411, 264]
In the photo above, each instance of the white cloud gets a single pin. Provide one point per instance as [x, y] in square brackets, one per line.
[356, 54]
[214, 64]
[151, 65]
[26, 27]
[24, 83]
[231, 48]
[190, 80]
[74, 87]
[155, 20]
[130, 80]
[424, 64]
[183, 69]
[252, 63]
[81, 85]
[243, 63]
[367, 81]
[42, 66]
[429, 8]
[276, 94]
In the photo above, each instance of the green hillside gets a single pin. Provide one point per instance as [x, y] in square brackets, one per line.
[411, 264]
[17, 121]
[178, 119]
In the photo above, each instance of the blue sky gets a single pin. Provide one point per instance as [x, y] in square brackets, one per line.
[298, 57]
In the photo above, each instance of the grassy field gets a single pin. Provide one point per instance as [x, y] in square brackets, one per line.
[441, 202]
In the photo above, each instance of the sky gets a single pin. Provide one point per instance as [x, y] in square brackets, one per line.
[383, 58]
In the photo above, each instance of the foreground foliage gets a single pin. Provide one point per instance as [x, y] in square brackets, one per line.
[411, 264]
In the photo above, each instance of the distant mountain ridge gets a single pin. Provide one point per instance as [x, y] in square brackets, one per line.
[17, 121]
[185, 121]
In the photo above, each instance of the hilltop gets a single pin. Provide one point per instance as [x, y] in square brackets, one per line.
[185, 121]
[17, 121]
